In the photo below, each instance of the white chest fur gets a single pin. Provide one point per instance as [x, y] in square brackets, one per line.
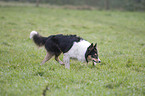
[78, 50]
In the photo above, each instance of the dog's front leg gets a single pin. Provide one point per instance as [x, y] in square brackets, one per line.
[66, 61]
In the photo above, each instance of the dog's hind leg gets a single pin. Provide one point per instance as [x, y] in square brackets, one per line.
[48, 56]
[58, 60]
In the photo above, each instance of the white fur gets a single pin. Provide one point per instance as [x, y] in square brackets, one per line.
[77, 51]
[32, 34]
[99, 59]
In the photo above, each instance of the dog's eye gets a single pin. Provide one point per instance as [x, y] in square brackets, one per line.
[94, 56]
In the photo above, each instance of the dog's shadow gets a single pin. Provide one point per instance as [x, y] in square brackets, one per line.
[97, 66]
[80, 66]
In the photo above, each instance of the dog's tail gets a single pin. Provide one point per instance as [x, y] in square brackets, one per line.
[38, 39]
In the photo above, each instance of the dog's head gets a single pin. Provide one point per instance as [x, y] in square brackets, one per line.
[92, 54]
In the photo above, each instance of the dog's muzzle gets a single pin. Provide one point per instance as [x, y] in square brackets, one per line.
[96, 61]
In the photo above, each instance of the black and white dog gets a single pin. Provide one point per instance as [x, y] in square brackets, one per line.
[71, 46]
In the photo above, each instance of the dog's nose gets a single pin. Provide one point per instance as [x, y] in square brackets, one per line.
[99, 61]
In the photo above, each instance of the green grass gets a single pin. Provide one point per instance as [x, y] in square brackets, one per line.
[121, 44]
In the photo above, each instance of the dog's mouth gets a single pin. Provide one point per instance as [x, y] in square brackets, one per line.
[96, 61]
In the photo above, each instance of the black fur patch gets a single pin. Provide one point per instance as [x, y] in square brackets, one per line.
[60, 43]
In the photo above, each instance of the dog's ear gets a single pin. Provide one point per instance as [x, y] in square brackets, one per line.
[90, 47]
[95, 46]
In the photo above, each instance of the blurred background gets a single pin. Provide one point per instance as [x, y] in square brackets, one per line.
[129, 5]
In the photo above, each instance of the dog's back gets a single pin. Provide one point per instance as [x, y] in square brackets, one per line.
[61, 42]
[56, 44]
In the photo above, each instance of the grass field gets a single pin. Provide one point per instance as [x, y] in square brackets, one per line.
[121, 43]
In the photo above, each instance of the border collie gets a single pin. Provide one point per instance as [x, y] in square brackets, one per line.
[71, 46]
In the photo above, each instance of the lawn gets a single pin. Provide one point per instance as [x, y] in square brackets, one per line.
[121, 43]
